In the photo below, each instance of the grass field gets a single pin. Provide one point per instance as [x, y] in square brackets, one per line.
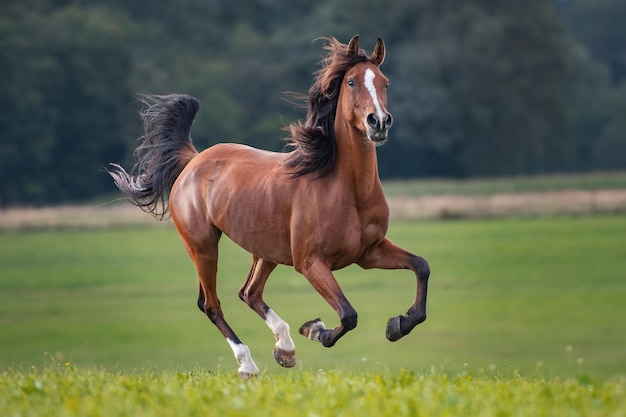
[65, 391]
[534, 295]
[525, 318]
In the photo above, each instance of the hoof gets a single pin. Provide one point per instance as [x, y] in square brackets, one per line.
[285, 359]
[246, 375]
[312, 329]
[393, 329]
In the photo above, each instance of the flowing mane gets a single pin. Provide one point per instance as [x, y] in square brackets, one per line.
[314, 141]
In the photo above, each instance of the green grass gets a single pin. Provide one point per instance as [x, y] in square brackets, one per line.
[525, 319]
[66, 391]
[533, 295]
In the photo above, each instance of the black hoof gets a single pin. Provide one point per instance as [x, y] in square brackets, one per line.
[393, 329]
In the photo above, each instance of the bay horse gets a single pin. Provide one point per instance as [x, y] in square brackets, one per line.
[319, 207]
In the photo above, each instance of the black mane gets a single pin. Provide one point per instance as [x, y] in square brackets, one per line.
[314, 141]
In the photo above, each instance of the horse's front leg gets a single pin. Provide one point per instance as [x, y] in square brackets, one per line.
[389, 256]
[322, 279]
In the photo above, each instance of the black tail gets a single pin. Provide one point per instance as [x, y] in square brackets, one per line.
[164, 151]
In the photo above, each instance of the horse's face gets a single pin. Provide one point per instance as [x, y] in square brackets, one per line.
[364, 98]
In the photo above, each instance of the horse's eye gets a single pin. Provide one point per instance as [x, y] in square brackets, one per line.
[351, 82]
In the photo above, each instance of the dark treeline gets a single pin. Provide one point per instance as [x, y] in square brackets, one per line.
[478, 88]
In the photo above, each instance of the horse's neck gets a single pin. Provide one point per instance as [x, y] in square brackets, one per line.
[356, 163]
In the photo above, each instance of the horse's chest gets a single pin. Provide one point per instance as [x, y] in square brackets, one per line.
[348, 240]
[372, 233]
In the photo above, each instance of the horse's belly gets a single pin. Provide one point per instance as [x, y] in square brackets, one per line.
[267, 244]
[258, 226]
[256, 222]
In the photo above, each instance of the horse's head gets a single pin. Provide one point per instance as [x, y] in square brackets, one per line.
[348, 90]
[363, 98]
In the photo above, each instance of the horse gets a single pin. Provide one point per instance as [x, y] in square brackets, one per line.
[318, 206]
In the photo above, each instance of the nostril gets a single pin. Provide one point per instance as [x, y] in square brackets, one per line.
[388, 120]
[372, 120]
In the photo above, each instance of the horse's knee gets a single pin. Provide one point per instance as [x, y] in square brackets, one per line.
[422, 269]
[349, 320]
[421, 318]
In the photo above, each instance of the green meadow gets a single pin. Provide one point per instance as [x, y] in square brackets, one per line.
[526, 317]
[536, 296]
[65, 392]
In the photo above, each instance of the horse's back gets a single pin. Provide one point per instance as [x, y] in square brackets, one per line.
[228, 164]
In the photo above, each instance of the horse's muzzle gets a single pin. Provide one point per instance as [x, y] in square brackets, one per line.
[377, 128]
[378, 137]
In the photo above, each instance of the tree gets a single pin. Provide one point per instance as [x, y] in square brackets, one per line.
[597, 86]
[480, 87]
[485, 86]
[60, 114]
[599, 26]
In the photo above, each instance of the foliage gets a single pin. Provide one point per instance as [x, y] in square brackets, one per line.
[481, 88]
[598, 26]
[62, 112]
[597, 90]
[66, 391]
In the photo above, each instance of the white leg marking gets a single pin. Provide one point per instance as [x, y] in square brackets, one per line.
[242, 354]
[280, 329]
[314, 331]
[369, 84]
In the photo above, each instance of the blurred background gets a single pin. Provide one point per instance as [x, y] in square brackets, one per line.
[479, 88]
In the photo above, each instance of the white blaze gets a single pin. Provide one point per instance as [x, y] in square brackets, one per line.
[369, 84]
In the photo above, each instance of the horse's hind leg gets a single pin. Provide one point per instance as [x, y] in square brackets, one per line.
[209, 303]
[252, 294]
[203, 252]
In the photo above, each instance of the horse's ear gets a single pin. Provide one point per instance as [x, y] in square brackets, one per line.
[353, 45]
[378, 56]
